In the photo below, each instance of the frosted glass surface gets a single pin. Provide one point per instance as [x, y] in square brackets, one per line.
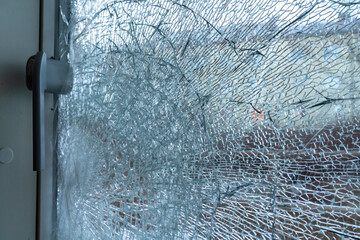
[218, 119]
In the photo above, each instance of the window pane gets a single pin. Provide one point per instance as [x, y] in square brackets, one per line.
[211, 119]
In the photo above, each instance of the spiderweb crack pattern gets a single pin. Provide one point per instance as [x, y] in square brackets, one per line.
[200, 119]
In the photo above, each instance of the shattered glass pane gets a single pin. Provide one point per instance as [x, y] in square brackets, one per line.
[217, 119]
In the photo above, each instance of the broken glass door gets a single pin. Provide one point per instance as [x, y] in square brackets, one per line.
[200, 119]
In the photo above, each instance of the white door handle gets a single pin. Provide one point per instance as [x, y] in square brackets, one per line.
[6, 155]
[44, 75]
